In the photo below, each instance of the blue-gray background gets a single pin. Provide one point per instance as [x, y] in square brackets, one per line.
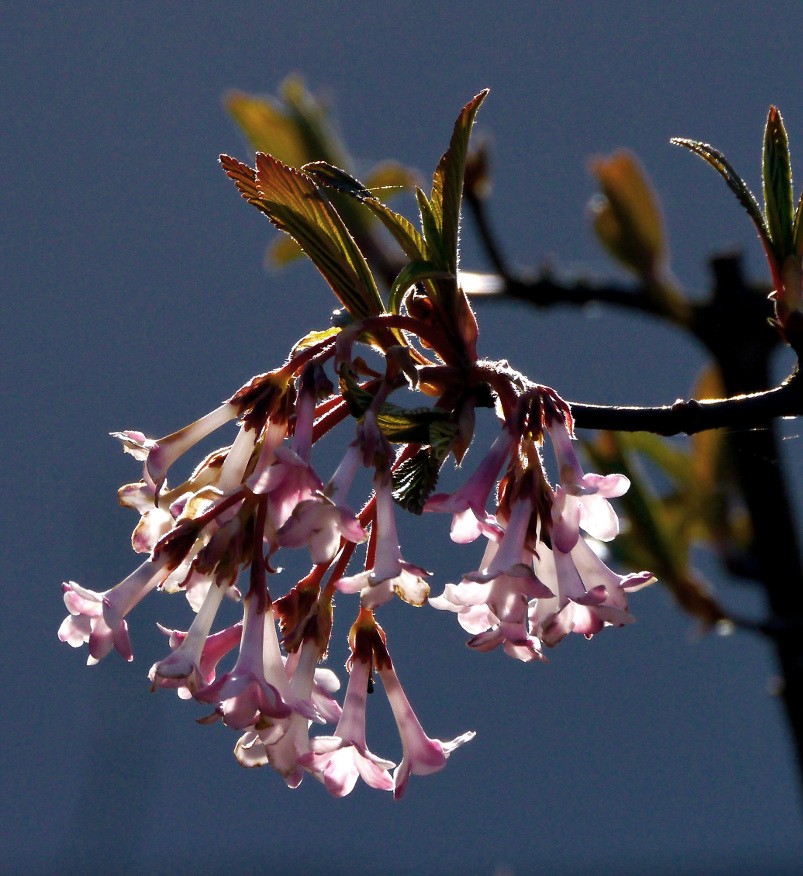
[135, 297]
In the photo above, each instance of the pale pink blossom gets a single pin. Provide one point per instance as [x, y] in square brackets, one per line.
[282, 745]
[322, 520]
[183, 666]
[389, 573]
[492, 603]
[215, 648]
[160, 454]
[339, 760]
[468, 504]
[589, 493]
[155, 520]
[588, 595]
[98, 619]
[421, 755]
[244, 696]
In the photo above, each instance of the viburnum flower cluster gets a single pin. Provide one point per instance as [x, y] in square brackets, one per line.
[216, 534]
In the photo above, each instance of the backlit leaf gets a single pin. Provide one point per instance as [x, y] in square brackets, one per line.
[415, 480]
[735, 183]
[294, 204]
[777, 179]
[447, 183]
[403, 231]
[409, 276]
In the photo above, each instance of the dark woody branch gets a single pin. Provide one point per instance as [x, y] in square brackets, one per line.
[754, 410]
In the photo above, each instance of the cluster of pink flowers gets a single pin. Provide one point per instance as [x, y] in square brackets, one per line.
[216, 534]
[538, 581]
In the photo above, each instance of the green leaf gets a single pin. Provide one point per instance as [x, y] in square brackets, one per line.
[777, 179]
[357, 398]
[432, 233]
[294, 204]
[409, 276]
[735, 183]
[404, 232]
[415, 480]
[798, 232]
[447, 183]
[416, 426]
[315, 337]
[282, 251]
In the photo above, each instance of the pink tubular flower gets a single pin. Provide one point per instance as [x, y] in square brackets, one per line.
[421, 755]
[99, 618]
[339, 760]
[322, 520]
[244, 696]
[159, 455]
[588, 492]
[589, 595]
[390, 573]
[467, 504]
[215, 648]
[281, 747]
[154, 521]
[182, 667]
[492, 603]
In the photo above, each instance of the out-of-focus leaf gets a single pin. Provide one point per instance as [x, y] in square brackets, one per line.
[311, 119]
[735, 183]
[282, 251]
[777, 180]
[656, 539]
[707, 446]
[390, 178]
[267, 127]
[447, 183]
[628, 220]
[294, 204]
[671, 459]
[409, 276]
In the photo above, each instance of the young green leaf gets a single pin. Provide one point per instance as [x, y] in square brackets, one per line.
[777, 179]
[409, 276]
[430, 224]
[406, 235]
[294, 204]
[416, 426]
[798, 231]
[415, 480]
[735, 183]
[447, 183]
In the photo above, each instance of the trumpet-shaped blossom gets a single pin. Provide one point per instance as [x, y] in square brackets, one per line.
[467, 504]
[390, 573]
[492, 603]
[183, 666]
[587, 494]
[588, 595]
[321, 521]
[244, 696]
[339, 760]
[214, 649]
[421, 755]
[282, 745]
[98, 619]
